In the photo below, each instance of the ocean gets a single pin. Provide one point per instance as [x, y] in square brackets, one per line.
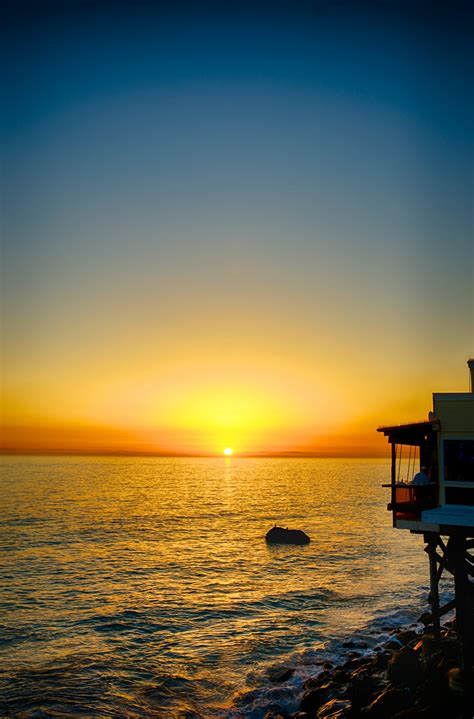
[143, 587]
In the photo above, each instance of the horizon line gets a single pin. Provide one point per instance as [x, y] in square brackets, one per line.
[296, 454]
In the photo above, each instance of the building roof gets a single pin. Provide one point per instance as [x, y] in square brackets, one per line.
[415, 433]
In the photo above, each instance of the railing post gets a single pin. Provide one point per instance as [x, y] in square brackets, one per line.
[394, 478]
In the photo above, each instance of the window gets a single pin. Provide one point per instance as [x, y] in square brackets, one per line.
[460, 495]
[459, 460]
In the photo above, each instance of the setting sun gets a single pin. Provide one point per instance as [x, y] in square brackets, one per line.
[228, 451]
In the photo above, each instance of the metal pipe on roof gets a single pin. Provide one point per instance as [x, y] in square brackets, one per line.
[470, 364]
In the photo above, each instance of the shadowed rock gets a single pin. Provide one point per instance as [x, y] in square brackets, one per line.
[335, 709]
[315, 697]
[404, 668]
[279, 535]
[389, 702]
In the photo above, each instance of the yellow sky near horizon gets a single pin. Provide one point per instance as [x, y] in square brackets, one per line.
[222, 231]
[198, 406]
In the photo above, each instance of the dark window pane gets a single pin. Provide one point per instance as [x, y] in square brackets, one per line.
[459, 495]
[459, 460]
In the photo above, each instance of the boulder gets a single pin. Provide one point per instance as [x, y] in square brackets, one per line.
[281, 535]
[450, 648]
[275, 713]
[340, 675]
[316, 697]
[403, 668]
[388, 703]
[335, 709]
[407, 636]
[380, 660]
[280, 676]
[354, 663]
[431, 692]
[363, 686]
[393, 643]
[415, 713]
[365, 670]
[314, 682]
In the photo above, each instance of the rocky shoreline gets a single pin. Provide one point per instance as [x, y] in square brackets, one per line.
[411, 677]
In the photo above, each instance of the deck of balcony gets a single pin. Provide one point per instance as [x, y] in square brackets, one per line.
[409, 501]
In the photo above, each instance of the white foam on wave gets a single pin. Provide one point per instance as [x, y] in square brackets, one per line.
[309, 663]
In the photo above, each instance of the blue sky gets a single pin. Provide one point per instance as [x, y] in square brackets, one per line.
[192, 183]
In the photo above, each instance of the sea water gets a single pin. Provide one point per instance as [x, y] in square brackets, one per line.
[143, 587]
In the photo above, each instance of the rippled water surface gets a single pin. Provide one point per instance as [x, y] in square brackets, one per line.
[144, 587]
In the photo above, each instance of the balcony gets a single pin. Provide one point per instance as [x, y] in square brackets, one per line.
[409, 501]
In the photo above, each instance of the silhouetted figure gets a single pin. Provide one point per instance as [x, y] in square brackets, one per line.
[421, 478]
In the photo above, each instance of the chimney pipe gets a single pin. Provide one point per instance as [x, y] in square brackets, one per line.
[470, 364]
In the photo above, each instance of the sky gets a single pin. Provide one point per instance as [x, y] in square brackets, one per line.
[236, 225]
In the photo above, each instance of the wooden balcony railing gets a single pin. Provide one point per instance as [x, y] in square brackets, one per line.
[408, 500]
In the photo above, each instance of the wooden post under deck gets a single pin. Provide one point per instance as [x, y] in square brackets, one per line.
[457, 554]
[432, 540]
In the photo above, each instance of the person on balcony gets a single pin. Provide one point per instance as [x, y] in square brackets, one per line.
[421, 478]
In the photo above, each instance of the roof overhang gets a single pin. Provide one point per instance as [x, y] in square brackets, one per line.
[416, 433]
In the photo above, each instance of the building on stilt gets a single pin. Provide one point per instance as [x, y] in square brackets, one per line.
[432, 493]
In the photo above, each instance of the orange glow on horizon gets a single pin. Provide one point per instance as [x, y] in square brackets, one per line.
[191, 407]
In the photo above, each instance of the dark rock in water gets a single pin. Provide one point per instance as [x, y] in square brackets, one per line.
[364, 686]
[403, 668]
[388, 703]
[335, 709]
[279, 676]
[381, 659]
[340, 675]
[314, 682]
[431, 693]
[363, 670]
[276, 713]
[407, 636]
[314, 698]
[393, 643]
[425, 618]
[354, 663]
[414, 713]
[280, 535]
